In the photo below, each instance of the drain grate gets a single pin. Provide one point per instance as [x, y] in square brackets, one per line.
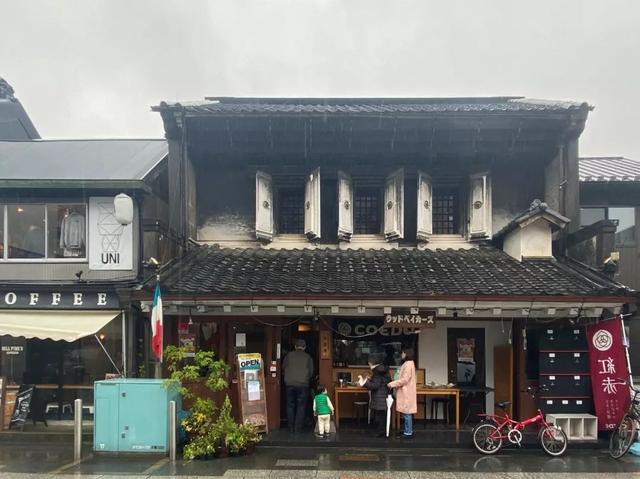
[359, 458]
[297, 463]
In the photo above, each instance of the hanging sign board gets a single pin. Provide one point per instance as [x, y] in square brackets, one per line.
[110, 243]
[423, 319]
[608, 363]
[21, 407]
[252, 392]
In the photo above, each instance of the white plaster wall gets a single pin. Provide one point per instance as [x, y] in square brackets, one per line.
[433, 350]
[513, 244]
[536, 239]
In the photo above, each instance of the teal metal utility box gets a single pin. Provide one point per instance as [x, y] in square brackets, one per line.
[132, 415]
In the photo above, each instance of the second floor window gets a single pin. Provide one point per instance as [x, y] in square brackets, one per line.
[446, 211]
[38, 231]
[291, 211]
[367, 210]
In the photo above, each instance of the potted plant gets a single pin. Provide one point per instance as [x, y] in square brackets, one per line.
[250, 437]
[199, 425]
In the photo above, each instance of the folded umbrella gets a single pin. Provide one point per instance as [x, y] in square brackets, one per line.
[389, 404]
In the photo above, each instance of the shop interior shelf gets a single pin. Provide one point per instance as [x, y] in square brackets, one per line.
[577, 427]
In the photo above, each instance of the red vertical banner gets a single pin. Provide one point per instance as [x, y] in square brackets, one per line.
[609, 370]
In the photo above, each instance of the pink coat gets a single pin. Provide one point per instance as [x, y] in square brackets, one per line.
[406, 397]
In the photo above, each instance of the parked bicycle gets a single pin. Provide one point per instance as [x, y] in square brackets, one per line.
[625, 433]
[489, 435]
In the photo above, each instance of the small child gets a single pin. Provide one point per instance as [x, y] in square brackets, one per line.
[323, 409]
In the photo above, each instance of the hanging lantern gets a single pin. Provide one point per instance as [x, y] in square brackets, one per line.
[123, 205]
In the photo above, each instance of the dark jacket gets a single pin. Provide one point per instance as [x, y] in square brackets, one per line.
[377, 384]
[298, 369]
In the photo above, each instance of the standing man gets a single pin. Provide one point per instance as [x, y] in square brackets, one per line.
[298, 369]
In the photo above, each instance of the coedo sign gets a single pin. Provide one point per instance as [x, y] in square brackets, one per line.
[58, 300]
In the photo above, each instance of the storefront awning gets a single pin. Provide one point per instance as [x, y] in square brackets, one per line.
[61, 325]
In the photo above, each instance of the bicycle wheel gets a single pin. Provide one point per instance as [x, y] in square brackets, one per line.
[486, 438]
[622, 437]
[553, 440]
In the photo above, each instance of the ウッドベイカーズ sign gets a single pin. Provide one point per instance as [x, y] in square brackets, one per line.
[420, 320]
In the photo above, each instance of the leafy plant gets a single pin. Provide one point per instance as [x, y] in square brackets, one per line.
[203, 433]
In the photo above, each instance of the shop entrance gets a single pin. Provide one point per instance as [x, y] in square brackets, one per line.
[256, 337]
[290, 334]
[466, 368]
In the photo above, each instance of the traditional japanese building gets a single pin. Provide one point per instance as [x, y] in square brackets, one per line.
[362, 225]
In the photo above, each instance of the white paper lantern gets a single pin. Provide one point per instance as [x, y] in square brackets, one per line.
[123, 205]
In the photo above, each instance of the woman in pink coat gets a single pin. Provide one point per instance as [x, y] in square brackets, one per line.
[406, 397]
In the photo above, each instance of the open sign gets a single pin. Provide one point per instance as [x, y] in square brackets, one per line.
[249, 361]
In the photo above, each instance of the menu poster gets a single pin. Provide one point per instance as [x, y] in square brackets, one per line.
[251, 385]
[21, 408]
[187, 339]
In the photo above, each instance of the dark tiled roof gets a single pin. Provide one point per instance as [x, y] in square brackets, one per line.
[609, 168]
[537, 208]
[371, 105]
[487, 271]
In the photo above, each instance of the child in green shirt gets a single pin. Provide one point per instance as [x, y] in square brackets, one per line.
[323, 409]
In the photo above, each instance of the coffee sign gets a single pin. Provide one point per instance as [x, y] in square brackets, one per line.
[51, 299]
[406, 319]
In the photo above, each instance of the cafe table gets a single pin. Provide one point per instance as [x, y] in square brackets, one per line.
[427, 391]
[342, 390]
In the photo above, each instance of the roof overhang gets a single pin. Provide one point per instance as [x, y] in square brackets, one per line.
[446, 307]
[127, 185]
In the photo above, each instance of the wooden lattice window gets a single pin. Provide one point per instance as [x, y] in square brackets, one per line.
[446, 211]
[367, 210]
[291, 210]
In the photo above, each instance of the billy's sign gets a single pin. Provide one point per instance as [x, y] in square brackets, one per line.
[58, 300]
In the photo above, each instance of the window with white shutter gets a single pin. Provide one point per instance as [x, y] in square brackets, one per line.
[480, 206]
[425, 207]
[345, 206]
[264, 206]
[394, 206]
[312, 205]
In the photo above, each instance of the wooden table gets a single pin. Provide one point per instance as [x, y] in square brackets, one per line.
[420, 392]
[437, 392]
[345, 390]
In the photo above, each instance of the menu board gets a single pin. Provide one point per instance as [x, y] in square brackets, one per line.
[21, 408]
[252, 392]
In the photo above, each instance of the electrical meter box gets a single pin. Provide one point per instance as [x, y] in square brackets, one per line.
[132, 415]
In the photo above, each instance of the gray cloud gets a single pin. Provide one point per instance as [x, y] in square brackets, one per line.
[93, 68]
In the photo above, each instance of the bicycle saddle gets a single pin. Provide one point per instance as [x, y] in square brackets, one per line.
[503, 405]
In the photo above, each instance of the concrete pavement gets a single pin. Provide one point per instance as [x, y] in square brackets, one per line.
[55, 461]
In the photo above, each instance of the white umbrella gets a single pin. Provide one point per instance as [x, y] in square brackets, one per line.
[389, 404]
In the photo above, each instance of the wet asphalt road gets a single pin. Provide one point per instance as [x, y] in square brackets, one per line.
[22, 461]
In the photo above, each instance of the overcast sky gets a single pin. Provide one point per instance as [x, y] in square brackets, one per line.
[93, 68]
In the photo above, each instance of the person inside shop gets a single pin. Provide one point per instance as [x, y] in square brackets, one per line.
[377, 384]
[298, 370]
[323, 409]
[405, 387]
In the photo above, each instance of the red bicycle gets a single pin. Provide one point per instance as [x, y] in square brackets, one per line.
[489, 434]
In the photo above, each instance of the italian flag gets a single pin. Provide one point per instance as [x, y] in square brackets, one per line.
[156, 324]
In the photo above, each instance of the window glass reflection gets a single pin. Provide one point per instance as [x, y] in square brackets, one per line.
[26, 231]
